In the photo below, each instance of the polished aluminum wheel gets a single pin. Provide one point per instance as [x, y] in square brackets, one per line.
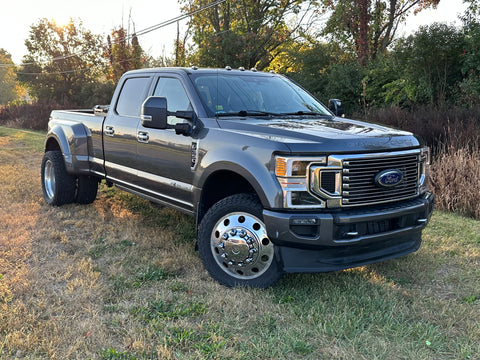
[240, 246]
[49, 179]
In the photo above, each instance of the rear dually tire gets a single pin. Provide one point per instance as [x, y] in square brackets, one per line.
[58, 186]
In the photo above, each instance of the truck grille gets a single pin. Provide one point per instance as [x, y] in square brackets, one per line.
[358, 180]
[366, 179]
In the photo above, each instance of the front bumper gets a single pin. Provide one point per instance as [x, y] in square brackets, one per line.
[329, 241]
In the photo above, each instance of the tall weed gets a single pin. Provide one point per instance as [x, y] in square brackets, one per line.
[455, 179]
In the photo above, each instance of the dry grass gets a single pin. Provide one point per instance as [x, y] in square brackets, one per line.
[456, 181]
[120, 279]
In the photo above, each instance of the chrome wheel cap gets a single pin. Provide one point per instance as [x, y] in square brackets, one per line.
[241, 247]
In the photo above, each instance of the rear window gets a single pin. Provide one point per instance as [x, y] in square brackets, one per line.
[131, 97]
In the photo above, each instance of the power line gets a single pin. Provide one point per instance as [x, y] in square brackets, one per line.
[180, 17]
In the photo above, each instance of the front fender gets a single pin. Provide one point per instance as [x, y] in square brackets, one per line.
[251, 165]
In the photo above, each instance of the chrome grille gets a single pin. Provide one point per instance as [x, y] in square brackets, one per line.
[358, 179]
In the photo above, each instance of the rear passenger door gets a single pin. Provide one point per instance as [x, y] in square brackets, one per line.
[164, 160]
[120, 131]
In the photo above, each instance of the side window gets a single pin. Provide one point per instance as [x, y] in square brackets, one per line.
[177, 99]
[132, 96]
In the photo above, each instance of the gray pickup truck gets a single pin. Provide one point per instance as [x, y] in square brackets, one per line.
[277, 182]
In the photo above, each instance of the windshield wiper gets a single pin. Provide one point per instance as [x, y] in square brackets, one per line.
[301, 112]
[248, 113]
[244, 113]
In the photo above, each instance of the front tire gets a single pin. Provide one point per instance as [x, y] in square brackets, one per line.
[234, 246]
[58, 186]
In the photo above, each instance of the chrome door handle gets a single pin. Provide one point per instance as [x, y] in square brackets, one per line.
[109, 131]
[143, 137]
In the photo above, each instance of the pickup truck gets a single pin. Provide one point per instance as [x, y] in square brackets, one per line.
[277, 181]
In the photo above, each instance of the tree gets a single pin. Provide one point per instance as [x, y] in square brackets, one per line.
[474, 7]
[368, 27]
[9, 89]
[61, 60]
[241, 33]
[469, 88]
[124, 53]
[431, 60]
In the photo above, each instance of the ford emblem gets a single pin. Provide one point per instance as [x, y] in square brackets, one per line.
[389, 178]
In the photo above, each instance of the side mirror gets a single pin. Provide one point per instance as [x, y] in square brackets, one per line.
[336, 107]
[154, 113]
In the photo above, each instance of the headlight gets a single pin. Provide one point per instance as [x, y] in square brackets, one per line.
[292, 166]
[292, 175]
[423, 169]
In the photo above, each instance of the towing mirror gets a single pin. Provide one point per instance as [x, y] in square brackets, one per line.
[154, 112]
[336, 107]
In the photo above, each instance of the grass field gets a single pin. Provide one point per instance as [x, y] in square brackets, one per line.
[120, 279]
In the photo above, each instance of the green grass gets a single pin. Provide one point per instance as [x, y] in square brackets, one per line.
[25, 139]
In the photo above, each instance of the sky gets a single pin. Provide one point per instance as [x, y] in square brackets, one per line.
[101, 16]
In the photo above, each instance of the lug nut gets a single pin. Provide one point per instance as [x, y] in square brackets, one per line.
[225, 236]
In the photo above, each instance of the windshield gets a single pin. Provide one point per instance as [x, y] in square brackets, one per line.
[236, 94]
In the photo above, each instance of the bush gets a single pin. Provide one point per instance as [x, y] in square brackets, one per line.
[29, 115]
[454, 127]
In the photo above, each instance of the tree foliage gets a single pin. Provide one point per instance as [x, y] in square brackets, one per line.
[9, 89]
[240, 33]
[61, 60]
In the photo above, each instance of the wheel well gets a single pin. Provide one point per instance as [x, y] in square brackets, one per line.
[220, 185]
[52, 145]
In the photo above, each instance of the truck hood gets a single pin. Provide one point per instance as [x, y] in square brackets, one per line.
[322, 135]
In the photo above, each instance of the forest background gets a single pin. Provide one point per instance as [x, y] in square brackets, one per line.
[428, 82]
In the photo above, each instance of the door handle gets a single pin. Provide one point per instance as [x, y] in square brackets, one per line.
[143, 137]
[109, 131]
